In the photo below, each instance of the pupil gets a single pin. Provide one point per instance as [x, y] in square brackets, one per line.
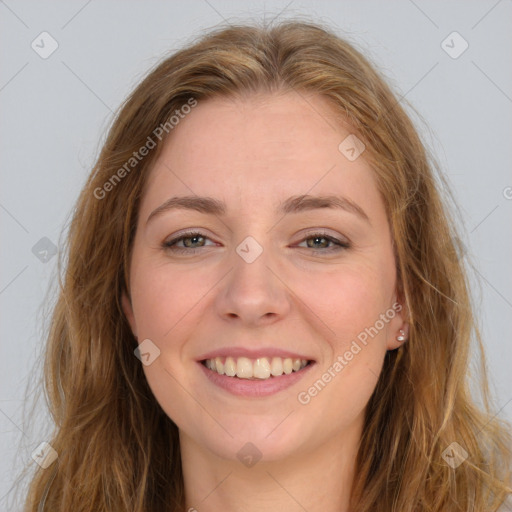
[315, 239]
[192, 240]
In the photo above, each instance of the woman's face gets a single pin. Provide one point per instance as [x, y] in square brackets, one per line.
[262, 281]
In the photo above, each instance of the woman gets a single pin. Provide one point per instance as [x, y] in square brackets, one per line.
[262, 305]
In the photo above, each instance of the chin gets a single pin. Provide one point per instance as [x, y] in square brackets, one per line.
[265, 440]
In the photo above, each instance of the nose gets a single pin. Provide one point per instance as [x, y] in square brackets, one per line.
[253, 292]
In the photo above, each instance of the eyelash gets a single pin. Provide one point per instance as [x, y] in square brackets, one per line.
[171, 244]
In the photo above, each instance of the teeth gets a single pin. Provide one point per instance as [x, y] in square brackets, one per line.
[219, 366]
[261, 368]
[276, 368]
[244, 368]
[229, 367]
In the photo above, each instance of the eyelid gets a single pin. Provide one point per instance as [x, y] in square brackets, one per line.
[302, 234]
[340, 242]
[324, 232]
[185, 234]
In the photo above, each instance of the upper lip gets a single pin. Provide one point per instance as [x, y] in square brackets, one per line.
[253, 353]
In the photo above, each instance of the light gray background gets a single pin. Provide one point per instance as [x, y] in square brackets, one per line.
[55, 112]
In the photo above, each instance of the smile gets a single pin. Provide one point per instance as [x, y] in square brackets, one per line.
[254, 378]
[261, 368]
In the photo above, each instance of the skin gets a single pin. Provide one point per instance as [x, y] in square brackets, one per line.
[252, 154]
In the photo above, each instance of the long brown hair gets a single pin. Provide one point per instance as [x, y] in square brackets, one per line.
[117, 449]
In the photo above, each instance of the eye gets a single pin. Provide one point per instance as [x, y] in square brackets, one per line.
[191, 240]
[322, 240]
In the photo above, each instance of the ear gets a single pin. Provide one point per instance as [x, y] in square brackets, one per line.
[128, 312]
[399, 325]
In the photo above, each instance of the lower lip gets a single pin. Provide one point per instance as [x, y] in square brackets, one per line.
[256, 387]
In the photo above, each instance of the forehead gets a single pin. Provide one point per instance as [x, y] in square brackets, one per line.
[262, 127]
[260, 146]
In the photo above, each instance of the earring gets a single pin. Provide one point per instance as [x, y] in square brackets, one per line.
[402, 336]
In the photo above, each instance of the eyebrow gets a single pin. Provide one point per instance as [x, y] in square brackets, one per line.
[294, 204]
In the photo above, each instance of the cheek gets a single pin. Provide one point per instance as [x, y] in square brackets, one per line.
[348, 299]
[163, 297]
[352, 303]
[163, 302]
